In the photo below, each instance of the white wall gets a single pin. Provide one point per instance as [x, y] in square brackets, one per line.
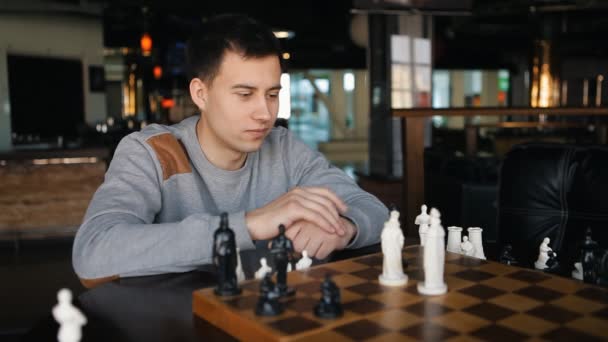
[50, 35]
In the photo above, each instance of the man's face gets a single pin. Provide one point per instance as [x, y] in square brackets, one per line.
[241, 105]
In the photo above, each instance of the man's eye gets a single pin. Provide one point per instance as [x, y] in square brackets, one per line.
[244, 94]
[273, 95]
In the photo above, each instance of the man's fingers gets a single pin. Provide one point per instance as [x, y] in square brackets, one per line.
[308, 210]
[292, 231]
[300, 242]
[333, 220]
[324, 250]
[329, 195]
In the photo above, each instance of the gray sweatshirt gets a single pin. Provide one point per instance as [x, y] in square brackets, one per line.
[160, 202]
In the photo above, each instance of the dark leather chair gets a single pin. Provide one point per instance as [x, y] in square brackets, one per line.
[555, 191]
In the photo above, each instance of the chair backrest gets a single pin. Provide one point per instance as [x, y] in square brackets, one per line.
[556, 191]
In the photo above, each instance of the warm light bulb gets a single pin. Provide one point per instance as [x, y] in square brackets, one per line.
[146, 43]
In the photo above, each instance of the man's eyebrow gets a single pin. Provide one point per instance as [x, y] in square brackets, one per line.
[250, 87]
[244, 86]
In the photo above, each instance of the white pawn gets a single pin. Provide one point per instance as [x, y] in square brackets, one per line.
[466, 247]
[475, 238]
[392, 246]
[70, 319]
[422, 220]
[289, 268]
[543, 254]
[240, 275]
[261, 272]
[304, 263]
[577, 273]
[434, 258]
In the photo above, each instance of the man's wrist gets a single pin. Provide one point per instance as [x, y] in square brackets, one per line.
[352, 229]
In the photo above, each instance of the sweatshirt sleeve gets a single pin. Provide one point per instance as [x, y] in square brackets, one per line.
[310, 168]
[119, 238]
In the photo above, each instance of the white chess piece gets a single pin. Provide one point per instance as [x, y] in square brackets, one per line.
[261, 272]
[475, 238]
[434, 258]
[240, 275]
[543, 254]
[466, 247]
[289, 267]
[392, 246]
[577, 273]
[422, 220]
[423, 217]
[70, 319]
[304, 263]
[454, 238]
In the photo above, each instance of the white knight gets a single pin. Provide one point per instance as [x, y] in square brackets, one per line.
[543, 254]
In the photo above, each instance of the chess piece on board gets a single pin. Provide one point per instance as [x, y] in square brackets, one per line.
[240, 274]
[422, 220]
[225, 259]
[476, 240]
[264, 268]
[281, 248]
[434, 259]
[69, 317]
[329, 305]
[454, 238]
[466, 247]
[552, 263]
[543, 254]
[601, 268]
[588, 258]
[268, 303]
[577, 272]
[392, 241]
[304, 262]
[506, 256]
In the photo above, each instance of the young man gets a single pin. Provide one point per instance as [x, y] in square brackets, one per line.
[166, 187]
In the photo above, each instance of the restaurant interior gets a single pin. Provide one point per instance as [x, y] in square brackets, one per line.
[493, 112]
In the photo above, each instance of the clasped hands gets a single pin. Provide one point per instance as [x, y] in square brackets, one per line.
[311, 216]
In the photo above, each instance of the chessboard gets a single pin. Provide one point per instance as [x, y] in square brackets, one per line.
[485, 301]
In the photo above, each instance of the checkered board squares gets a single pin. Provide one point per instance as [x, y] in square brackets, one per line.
[485, 301]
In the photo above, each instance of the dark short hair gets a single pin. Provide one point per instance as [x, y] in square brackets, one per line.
[227, 32]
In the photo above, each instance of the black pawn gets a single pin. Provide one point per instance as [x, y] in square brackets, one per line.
[588, 259]
[552, 263]
[329, 305]
[506, 257]
[268, 302]
[602, 268]
[225, 259]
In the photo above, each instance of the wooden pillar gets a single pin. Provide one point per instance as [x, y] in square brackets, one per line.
[413, 171]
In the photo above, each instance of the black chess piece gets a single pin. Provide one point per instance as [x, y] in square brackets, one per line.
[268, 303]
[506, 256]
[329, 305]
[225, 259]
[281, 248]
[601, 268]
[588, 258]
[552, 263]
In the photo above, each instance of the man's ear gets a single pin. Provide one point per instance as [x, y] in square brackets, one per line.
[198, 93]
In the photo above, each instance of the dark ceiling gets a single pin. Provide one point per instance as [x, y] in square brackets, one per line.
[467, 33]
[322, 28]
